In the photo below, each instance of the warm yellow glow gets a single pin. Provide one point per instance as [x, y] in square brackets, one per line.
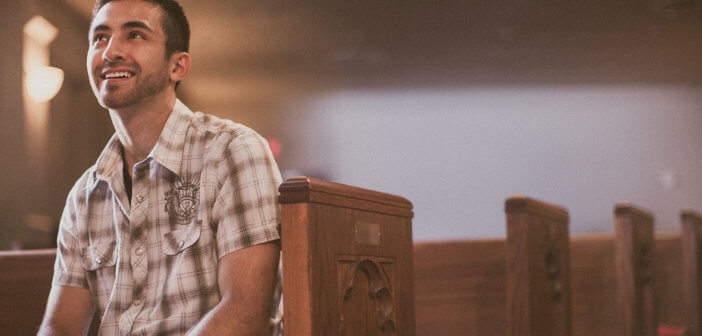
[43, 83]
[40, 30]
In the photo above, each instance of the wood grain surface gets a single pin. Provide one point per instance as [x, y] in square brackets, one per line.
[336, 279]
[635, 277]
[537, 268]
[691, 223]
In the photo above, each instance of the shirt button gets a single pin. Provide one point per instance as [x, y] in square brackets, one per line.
[98, 260]
[181, 244]
[139, 251]
[139, 198]
[137, 302]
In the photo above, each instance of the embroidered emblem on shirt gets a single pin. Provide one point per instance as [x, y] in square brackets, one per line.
[183, 198]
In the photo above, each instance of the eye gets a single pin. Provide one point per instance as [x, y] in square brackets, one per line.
[136, 35]
[100, 38]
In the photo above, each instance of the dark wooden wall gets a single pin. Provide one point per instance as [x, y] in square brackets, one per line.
[78, 128]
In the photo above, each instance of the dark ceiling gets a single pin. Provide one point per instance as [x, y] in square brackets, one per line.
[248, 51]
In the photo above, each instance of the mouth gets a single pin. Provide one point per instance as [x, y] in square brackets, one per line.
[116, 75]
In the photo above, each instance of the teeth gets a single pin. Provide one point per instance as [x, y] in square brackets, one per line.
[120, 74]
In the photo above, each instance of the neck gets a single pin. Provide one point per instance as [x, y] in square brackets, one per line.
[138, 127]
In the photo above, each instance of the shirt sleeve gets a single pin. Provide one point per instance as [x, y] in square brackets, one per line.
[247, 207]
[68, 268]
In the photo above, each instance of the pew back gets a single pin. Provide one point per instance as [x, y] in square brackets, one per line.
[460, 286]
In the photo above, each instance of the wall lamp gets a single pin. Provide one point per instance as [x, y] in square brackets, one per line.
[41, 81]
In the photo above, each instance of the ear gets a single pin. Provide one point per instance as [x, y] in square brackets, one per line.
[180, 66]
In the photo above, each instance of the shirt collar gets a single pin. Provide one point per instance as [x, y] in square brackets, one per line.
[168, 150]
[169, 147]
[108, 161]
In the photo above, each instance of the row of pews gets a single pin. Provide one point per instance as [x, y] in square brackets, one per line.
[350, 268]
[348, 259]
[542, 281]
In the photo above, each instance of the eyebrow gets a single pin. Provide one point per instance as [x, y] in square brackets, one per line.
[137, 24]
[127, 25]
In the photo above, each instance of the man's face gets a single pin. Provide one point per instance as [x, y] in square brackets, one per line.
[126, 59]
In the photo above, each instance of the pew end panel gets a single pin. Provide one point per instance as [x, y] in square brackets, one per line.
[635, 273]
[538, 268]
[691, 239]
[347, 260]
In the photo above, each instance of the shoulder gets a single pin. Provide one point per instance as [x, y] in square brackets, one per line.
[220, 128]
[234, 149]
[77, 199]
[83, 185]
[224, 136]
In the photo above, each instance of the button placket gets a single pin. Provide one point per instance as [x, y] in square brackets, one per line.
[139, 233]
[140, 184]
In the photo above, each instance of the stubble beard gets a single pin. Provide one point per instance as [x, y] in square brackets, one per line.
[120, 97]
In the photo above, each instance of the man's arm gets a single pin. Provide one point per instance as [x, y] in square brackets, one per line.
[246, 282]
[68, 312]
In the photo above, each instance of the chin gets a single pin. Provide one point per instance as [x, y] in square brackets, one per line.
[115, 103]
[115, 100]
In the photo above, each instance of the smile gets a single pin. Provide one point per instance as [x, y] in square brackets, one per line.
[117, 74]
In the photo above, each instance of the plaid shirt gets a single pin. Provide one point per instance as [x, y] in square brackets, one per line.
[208, 188]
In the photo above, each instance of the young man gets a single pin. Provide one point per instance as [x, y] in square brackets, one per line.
[174, 230]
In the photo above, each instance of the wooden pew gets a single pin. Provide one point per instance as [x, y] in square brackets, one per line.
[635, 275]
[470, 296]
[340, 244]
[477, 295]
[460, 286]
[650, 281]
[691, 223]
[25, 281]
[347, 260]
[538, 270]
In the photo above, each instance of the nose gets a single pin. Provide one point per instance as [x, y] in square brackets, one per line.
[113, 51]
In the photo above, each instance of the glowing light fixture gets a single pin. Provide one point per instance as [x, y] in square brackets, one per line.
[41, 80]
[40, 30]
[43, 83]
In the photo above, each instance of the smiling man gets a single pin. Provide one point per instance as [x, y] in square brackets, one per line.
[175, 229]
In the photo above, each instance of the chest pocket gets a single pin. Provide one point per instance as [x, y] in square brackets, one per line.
[98, 255]
[182, 238]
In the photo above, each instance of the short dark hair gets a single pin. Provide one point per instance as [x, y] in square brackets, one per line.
[174, 24]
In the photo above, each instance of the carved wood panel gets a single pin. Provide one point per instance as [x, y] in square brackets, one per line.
[343, 249]
[366, 302]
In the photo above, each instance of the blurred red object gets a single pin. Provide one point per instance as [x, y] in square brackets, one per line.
[665, 330]
[276, 146]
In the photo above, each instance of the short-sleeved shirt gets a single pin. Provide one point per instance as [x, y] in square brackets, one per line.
[208, 188]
